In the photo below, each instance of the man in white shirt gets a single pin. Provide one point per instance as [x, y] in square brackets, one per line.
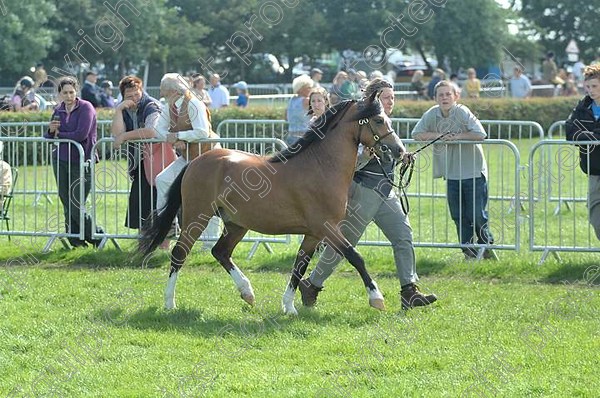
[183, 121]
[219, 95]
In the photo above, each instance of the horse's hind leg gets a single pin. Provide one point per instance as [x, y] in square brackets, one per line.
[189, 235]
[232, 235]
[307, 250]
[345, 248]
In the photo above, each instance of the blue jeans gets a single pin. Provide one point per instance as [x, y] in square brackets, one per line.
[467, 200]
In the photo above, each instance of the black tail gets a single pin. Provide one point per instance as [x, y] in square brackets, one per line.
[155, 230]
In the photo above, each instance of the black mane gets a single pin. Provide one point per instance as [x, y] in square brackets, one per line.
[319, 128]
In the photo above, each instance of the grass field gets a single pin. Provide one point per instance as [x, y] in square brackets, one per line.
[90, 324]
[87, 323]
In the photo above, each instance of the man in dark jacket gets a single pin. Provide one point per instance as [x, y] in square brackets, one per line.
[90, 91]
[584, 125]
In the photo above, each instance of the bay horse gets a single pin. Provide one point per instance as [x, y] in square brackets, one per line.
[300, 190]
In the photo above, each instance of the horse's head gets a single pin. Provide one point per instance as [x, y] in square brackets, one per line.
[376, 132]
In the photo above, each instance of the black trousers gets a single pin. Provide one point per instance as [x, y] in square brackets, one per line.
[69, 180]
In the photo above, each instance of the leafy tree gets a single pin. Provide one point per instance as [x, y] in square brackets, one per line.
[469, 33]
[561, 21]
[24, 37]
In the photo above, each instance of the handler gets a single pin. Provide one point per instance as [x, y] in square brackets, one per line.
[371, 197]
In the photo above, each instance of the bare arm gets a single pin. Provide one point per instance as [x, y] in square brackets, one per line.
[426, 136]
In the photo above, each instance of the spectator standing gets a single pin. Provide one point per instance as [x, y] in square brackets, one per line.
[350, 88]
[242, 94]
[371, 198]
[417, 85]
[219, 95]
[335, 93]
[520, 86]
[454, 81]
[472, 84]
[437, 75]
[106, 96]
[90, 92]
[316, 75]
[74, 119]
[550, 72]
[318, 103]
[570, 86]
[462, 165]
[296, 113]
[136, 118]
[199, 89]
[23, 98]
[583, 125]
[39, 75]
[578, 68]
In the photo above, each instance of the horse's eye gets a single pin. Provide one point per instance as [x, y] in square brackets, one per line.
[379, 121]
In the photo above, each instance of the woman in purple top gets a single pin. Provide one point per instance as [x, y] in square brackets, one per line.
[73, 119]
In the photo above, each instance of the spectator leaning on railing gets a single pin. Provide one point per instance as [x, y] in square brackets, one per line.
[583, 124]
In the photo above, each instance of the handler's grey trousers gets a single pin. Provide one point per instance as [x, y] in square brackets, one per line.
[594, 203]
[365, 205]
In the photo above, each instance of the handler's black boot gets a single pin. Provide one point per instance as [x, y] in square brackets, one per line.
[309, 292]
[412, 297]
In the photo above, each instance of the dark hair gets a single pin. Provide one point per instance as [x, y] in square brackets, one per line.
[67, 80]
[377, 85]
[130, 82]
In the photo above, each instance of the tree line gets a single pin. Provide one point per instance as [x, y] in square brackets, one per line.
[230, 37]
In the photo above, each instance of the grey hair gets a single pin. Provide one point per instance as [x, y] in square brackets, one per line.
[174, 81]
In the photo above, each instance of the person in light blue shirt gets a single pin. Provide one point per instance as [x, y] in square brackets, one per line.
[297, 110]
[520, 86]
[219, 95]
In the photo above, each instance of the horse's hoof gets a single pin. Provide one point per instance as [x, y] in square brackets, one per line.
[377, 303]
[289, 309]
[248, 297]
[170, 305]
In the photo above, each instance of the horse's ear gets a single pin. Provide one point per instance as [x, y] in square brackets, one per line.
[374, 96]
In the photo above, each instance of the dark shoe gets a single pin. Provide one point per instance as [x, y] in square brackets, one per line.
[412, 297]
[75, 243]
[470, 254]
[490, 254]
[309, 292]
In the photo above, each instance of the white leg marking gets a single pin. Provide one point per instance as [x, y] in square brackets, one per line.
[376, 298]
[288, 301]
[243, 285]
[170, 291]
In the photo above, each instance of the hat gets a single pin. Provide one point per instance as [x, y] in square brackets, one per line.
[300, 82]
[242, 85]
[315, 70]
[26, 81]
[106, 84]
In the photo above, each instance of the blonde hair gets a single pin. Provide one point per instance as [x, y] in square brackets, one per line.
[591, 72]
[315, 91]
[444, 83]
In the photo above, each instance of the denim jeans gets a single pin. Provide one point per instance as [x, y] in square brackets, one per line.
[467, 200]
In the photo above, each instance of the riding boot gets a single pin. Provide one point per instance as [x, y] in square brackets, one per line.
[309, 292]
[412, 297]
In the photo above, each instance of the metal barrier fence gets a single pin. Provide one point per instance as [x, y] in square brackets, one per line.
[108, 198]
[430, 218]
[555, 164]
[557, 129]
[28, 216]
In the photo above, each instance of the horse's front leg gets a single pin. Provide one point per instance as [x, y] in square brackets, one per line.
[307, 250]
[343, 247]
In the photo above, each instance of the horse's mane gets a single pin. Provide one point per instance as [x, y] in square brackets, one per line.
[323, 124]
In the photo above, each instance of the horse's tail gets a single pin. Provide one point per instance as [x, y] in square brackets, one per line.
[155, 230]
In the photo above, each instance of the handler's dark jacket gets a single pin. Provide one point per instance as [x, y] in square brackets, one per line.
[582, 126]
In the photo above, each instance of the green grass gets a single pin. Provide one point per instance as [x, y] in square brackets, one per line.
[88, 323]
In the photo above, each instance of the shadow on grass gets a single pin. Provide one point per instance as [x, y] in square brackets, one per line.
[252, 323]
[586, 273]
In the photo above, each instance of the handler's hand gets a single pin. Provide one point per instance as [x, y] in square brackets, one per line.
[408, 157]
